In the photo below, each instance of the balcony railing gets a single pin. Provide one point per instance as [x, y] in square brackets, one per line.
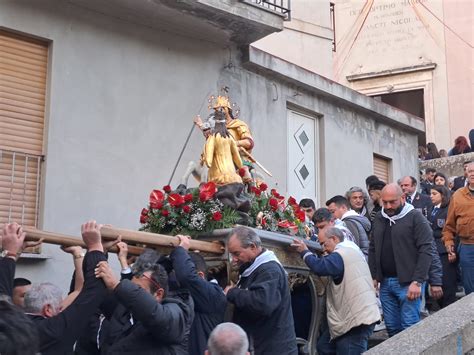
[280, 6]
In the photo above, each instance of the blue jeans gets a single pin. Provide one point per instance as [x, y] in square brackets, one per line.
[399, 313]
[354, 342]
[466, 262]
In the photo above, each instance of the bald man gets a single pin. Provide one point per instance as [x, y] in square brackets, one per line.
[400, 256]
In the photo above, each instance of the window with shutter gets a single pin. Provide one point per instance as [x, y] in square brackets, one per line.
[382, 168]
[23, 71]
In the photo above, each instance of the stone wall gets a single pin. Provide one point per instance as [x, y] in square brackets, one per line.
[450, 166]
[449, 331]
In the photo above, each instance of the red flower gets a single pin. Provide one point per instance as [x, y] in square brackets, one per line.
[144, 212]
[167, 189]
[284, 224]
[186, 209]
[273, 204]
[165, 213]
[143, 219]
[256, 190]
[275, 193]
[217, 216]
[207, 191]
[156, 199]
[156, 205]
[175, 200]
[264, 222]
[301, 215]
[242, 172]
[292, 201]
[263, 187]
[188, 197]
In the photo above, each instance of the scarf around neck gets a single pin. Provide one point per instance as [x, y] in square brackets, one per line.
[263, 258]
[405, 210]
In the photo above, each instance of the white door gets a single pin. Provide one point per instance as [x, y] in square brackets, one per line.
[301, 156]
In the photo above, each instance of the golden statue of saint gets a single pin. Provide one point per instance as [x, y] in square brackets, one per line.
[221, 154]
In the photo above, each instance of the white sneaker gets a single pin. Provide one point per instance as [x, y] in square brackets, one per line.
[380, 326]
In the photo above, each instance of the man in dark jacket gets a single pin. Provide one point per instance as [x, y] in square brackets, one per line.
[400, 256]
[419, 201]
[209, 299]
[461, 181]
[261, 297]
[58, 329]
[144, 321]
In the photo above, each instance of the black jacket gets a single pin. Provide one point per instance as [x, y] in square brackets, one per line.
[459, 183]
[263, 309]
[435, 274]
[422, 203]
[209, 300]
[7, 274]
[59, 333]
[412, 247]
[426, 187]
[437, 222]
[147, 326]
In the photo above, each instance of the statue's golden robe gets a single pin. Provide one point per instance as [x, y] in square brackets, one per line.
[221, 156]
[239, 130]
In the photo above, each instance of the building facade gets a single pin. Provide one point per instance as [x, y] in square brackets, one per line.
[416, 55]
[97, 99]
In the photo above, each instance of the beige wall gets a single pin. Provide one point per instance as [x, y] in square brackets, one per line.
[306, 40]
[386, 46]
[458, 15]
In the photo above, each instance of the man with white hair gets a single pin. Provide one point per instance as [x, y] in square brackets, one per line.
[352, 309]
[59, 330]
[261, 297]
[227, 339]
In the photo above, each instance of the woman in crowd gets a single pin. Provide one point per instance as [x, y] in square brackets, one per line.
[432, 151]
[422, 153]
[440, 179]
[440, 197]
[460, 146]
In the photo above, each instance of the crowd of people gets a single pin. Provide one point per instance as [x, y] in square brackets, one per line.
[461, 146]
[386, 252]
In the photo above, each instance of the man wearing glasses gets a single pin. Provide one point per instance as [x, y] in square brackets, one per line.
[141, 318]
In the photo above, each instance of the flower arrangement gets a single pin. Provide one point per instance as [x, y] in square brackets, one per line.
[272, 212]
[200, 211]
[196, 212]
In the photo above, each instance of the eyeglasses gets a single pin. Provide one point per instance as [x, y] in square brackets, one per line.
[156, 284]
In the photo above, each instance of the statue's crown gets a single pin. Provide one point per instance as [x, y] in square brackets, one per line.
[219, 102]
[222, 101]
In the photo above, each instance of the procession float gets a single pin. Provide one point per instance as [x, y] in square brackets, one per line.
[231, 191]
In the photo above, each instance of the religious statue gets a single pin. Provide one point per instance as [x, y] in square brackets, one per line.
[237, 129]
[221, 154]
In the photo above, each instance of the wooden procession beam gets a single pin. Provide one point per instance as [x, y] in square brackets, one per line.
[33, 234]
[151, 240]
[154, 240]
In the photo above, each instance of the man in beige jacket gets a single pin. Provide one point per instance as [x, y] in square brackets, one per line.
[352, 309]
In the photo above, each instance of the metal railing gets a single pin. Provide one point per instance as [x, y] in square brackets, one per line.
[281, 6]
[20, 176]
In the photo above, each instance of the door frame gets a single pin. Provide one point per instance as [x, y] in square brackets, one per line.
[316, 118]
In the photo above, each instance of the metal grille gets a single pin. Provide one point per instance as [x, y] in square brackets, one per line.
[20, 176]
[281, 6]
